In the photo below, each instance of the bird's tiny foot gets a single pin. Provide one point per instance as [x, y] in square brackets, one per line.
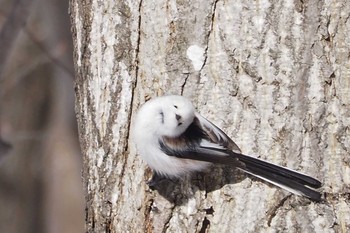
[156, 178]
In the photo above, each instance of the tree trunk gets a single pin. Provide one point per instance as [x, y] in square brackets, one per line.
[274, 75]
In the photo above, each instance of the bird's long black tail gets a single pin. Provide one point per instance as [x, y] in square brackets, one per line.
[285, 178]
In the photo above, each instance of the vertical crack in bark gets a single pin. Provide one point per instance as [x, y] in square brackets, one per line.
[93, 220]
[274, 210]
[184, 84]
[148, 219]
[166, 223]
[205, 225]
[108, 219]
[137, 50]
[108, 226]
[136, 62]
[208, 36]
[206, 221]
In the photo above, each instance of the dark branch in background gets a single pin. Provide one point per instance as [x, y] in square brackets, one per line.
[8, 31]
[51, 57]
[4, 148]
[15, 21]
[32, 64]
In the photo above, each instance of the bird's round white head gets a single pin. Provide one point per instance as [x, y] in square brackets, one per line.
[166, 116]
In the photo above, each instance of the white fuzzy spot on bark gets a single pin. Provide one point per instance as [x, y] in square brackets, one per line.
[196, 55]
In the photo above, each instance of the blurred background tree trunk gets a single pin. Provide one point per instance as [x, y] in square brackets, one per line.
[275, 75]
[40, 177]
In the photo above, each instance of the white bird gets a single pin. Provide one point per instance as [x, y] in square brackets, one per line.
[174, 140]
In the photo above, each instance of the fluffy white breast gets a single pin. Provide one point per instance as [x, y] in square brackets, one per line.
[164, 116]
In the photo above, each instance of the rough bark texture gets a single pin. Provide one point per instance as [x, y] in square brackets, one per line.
[275, 75]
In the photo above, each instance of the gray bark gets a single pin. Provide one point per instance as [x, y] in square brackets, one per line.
[274, 75]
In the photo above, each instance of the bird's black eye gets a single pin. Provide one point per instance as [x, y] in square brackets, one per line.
[175, 106]
[162, 115]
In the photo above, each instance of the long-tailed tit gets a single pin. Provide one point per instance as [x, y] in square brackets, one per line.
[174, 139]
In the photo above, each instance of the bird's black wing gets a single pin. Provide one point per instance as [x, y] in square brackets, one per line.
[201, 154]
[215, 134]
[205, 142]
[196, 143]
